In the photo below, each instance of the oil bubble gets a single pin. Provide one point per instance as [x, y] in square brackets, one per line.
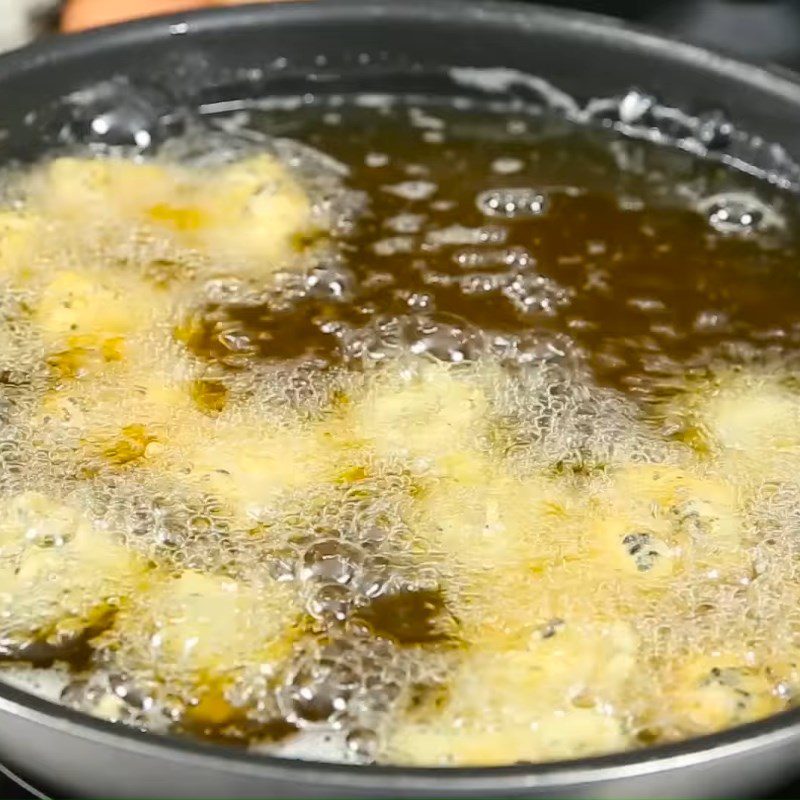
[116, 113]
[740, 214]
[512, 203]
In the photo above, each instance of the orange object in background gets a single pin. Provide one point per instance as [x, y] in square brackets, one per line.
[81, 14]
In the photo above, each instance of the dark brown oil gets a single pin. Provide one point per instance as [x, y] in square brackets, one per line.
[409, 617]
[651, 287]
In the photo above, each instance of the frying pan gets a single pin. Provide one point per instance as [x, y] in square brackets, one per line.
[387, 46]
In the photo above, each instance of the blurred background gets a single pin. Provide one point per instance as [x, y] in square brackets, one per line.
[758, 30]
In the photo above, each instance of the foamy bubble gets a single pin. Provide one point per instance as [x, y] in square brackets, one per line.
[513, 203]
[443, 339]
[740, 213]
[507, 166]
[458, 234]
[412, 190]
[514, 258]
[536, 294]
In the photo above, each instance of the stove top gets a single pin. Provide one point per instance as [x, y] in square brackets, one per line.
[764, 31]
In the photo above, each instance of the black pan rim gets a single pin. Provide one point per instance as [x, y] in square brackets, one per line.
[761, 734]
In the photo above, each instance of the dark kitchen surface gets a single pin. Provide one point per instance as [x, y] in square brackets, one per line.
[758, 30]
[13, 787]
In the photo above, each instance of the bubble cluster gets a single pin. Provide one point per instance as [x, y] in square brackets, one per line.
[740, 213]
[516, 203]
[444, 338]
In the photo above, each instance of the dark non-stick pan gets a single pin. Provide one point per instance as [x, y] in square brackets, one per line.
[384, 46]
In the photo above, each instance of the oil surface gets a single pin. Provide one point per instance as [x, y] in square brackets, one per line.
[373, 432]
[650, 261]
